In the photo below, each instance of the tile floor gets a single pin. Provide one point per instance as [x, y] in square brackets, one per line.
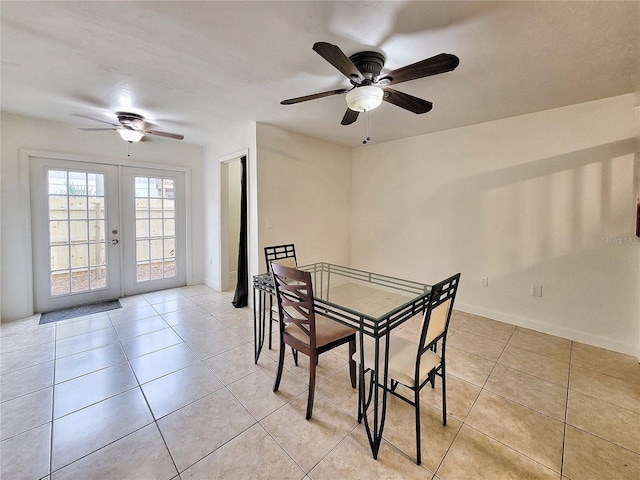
[167, 388]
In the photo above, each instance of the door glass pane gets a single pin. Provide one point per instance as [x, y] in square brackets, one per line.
[79, 280]
[96, 230]
[142, 208]
[60, 283]
[59, 257]
[77, 240]
[78, 207]
[142, 251]
[169, 208]
[98, 278]
[58, 207]
[143, 272]
[77, 183]
[155, 228]
[96, 207]
[97, 255]
[57, 182]
[59, 232]
[78, 231]
[169, 248]
[80, 255]
[142, 228]
[169, 269]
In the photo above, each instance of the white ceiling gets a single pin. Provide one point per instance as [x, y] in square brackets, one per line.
[191, 67]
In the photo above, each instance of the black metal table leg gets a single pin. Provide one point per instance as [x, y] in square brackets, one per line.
[374, 432]
[258, 323]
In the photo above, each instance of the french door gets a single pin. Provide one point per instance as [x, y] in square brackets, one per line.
[154, 221]
[104, 231]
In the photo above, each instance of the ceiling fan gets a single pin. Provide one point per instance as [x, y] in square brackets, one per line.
[132, 127]
[369, 87]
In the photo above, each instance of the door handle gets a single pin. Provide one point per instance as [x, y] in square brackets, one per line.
[115, 241]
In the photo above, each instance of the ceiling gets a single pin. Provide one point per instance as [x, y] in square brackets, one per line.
[194, 67]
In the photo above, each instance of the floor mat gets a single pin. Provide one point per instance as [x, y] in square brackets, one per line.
[79, 311]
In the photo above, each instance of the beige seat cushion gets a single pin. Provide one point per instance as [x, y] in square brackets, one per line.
[402, 359]
[326, 331]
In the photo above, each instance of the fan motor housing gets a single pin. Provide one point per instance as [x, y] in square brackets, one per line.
[370, 65]
[131, 120]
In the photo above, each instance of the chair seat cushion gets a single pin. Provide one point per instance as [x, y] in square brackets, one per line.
[327, 331]
[402, 360]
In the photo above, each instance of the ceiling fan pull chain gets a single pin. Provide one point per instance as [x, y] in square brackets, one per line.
[129, 149]
[366, 128]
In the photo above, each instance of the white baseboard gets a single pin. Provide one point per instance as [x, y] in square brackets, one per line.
[552, 329]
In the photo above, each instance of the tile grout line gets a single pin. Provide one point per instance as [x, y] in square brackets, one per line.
[53, 397]
[566, 414]
[463, 423]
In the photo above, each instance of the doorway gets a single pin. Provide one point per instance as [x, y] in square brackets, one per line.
[104, 231]
[230, 180]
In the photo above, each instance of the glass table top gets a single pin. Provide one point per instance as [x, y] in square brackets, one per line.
[358, 295]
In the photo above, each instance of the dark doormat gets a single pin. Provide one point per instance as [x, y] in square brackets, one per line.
[79, 311]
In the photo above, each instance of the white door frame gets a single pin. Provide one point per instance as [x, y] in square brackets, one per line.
[25, 157]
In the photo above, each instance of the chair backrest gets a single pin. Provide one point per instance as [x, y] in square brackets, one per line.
[435, 322]
[280, 254]
[294, 292]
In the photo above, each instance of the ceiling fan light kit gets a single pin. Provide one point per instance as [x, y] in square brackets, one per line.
[130, 135]
[365, 98]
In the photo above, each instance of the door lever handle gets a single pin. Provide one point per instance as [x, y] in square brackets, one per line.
[115, 241]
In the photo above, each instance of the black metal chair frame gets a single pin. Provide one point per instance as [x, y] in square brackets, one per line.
[440, 293]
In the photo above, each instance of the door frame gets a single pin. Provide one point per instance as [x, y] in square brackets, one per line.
[25, 159]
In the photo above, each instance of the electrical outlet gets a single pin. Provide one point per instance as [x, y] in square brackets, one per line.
[484, 282]
[536, 290]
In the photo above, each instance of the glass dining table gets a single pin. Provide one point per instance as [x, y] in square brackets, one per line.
[372, 303]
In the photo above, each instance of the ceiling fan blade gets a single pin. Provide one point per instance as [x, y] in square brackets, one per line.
[445, 62]
[96, 129]
[350, 116]
[164, 134]
[406, 101]
[337, 58]
[94, 119]
[291, 101]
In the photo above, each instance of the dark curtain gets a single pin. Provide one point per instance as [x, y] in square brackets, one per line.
[241, 297]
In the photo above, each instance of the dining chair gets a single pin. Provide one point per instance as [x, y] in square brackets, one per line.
[282, 255]
[414, 365]
[305, 330]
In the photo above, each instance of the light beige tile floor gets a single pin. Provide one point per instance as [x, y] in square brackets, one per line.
[167, 388]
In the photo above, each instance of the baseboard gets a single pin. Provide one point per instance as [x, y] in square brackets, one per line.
[210, 282]
[552, 329]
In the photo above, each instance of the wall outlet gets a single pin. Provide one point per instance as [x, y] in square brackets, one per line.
[484, 282]
[536, 290]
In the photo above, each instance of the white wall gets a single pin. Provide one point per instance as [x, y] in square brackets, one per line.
[543, 199]
[19, 132]
[304, 193]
